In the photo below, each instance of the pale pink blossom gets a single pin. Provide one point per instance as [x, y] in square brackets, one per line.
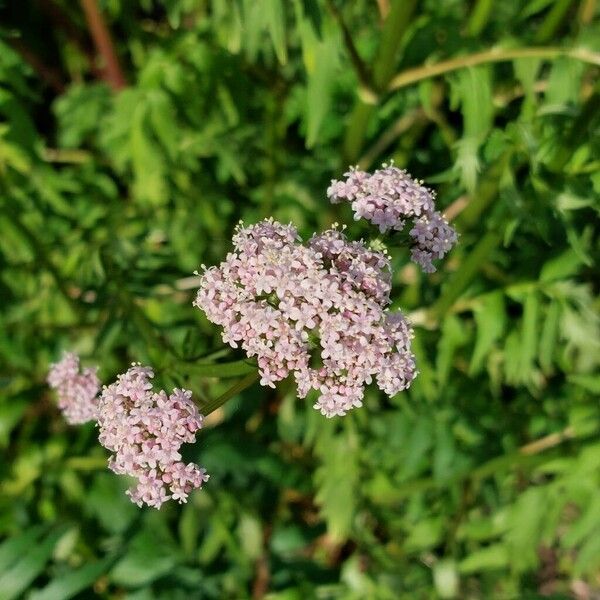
[433, 238]
[77, 389]
[317, 310]
[390, 197]
[145, 430]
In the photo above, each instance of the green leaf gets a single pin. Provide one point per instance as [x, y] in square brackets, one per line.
[418, 445]
[337, 479]
[585, 524]
[489, 558]
[564, 82]
[250, 536]
[321, 78]
[14, 547]
[526, 71]
[490, 317]
[28, 566]
[564, 265]
[588, 558]
[163, 122]
[591, 383]
[145, 561]
[10, 415]
[549, 336]
[148, 164]
[424, 386]
[445, 578]
[473, 89]
[453, 337]
[69, 584]
[526, 521]
[529, 337]
[230, 369]
[425, 534]
[275, 13]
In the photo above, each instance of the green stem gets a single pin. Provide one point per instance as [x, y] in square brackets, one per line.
[411, 76]
[486, 192]
[387, 138]
[362, 72]
[357, 129]
[211, 405]
[220, 370]
[394, 28]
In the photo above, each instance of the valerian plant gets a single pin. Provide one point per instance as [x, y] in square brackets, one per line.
[319, 311]
[135, 136]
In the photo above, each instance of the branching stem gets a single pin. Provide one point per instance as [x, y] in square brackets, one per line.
[411, 76]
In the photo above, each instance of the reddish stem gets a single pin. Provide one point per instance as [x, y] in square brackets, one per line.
[113, 73]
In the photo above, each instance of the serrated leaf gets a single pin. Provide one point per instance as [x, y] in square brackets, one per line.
[163, 122]
[526, 519]
[474, 89]
[148, 167]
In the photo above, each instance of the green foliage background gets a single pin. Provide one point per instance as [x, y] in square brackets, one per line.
[482, 481]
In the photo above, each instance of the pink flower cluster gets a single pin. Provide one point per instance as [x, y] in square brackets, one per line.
[433, 238]
[317, 310]
[387, 198]
[145, 430]
[77, 389]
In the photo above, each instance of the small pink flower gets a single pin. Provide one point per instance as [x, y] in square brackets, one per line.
[388, 198]
[77, 389]
[145, 430]
[287, 303]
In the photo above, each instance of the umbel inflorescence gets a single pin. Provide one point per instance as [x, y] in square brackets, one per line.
[388, 198]
[317, 310]
[145, 430]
